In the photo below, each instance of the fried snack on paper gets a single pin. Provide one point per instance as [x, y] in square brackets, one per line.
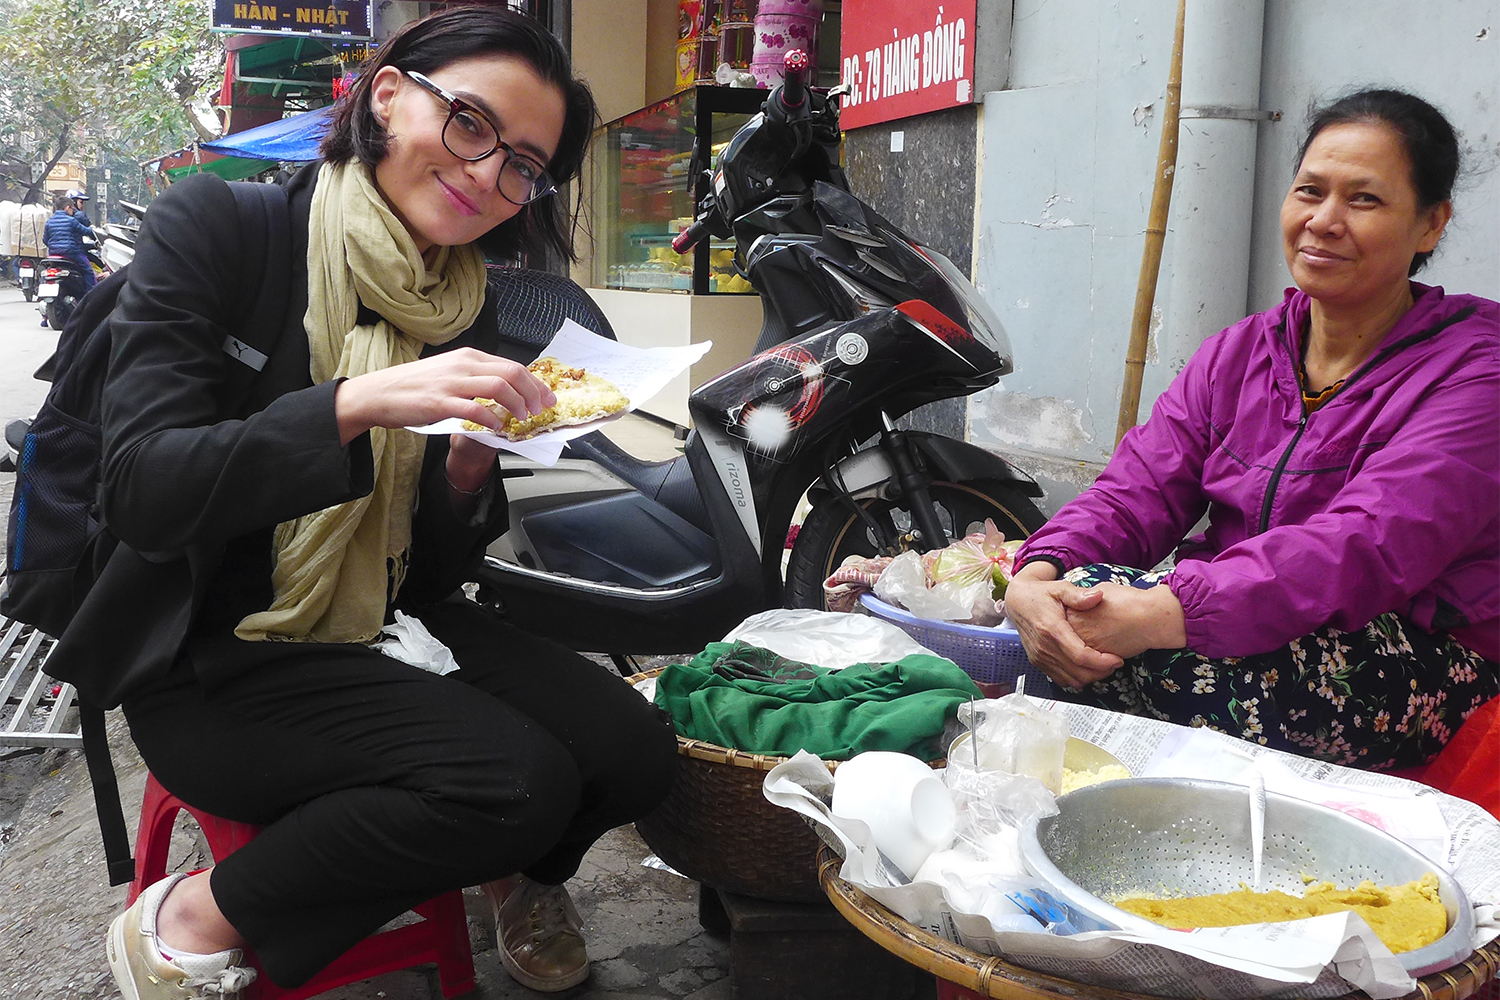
[581, 398]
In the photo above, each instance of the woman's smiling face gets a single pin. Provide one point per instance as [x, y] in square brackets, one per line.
[441, 199]
[1351, 222]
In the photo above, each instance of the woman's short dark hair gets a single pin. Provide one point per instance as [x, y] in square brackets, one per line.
[433, 42]
[1430, 142]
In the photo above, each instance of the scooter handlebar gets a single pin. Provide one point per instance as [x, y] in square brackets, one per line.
[692, 235]
[796, 68]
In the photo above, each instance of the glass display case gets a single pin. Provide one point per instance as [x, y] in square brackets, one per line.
[647, 186]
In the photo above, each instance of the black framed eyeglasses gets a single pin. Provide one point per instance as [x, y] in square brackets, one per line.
[469, 135]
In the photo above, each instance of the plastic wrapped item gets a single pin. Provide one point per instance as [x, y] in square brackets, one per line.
[1016, 903]
[825, 638]
[904, 583]
[983, 555]
[993, 805]
[1017, 735]
[727, 76]
[906, 806]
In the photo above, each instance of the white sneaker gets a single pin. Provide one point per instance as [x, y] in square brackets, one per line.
[141, 971]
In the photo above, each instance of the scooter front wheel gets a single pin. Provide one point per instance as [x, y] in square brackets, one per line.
[833, 532]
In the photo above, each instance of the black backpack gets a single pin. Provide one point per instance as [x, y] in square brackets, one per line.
[57, 545]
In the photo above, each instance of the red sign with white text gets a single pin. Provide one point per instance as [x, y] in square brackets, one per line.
[906, 57]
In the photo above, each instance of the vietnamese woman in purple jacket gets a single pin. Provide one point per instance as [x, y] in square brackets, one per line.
[1344, 601]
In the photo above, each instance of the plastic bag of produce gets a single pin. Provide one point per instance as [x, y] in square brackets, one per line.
[904, 584]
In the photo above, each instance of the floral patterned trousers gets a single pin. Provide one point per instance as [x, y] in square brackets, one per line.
[1385, 697]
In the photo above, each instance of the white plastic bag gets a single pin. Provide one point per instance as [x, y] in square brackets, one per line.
[904, 584]
[1016, 734]
[992, 807]
[409, 641]
[825, 638]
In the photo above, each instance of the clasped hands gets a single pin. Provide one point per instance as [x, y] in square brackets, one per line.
[1080, 635]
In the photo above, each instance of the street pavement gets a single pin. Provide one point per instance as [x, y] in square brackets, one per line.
[24, 345]
[56, 902]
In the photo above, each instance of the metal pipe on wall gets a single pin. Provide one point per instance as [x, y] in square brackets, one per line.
[1205, 274]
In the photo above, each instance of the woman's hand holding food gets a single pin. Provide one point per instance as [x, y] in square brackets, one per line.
[1127, 621]
[435, 388]
[1040, 606]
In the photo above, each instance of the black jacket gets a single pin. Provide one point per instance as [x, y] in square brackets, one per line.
[193, 494]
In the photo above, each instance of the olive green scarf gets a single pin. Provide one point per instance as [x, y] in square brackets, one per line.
[336, 567]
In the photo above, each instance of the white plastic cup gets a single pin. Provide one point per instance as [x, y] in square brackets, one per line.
[908, 809]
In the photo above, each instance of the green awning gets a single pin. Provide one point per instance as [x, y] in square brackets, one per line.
[231, 168]
[286, 64]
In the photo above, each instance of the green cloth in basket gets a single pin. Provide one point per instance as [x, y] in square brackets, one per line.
[748, 698]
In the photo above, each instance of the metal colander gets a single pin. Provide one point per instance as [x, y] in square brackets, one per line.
[1168, 837]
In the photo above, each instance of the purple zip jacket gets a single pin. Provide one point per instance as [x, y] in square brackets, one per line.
[1385, 499]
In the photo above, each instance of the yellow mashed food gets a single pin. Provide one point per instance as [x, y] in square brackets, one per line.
[1405, 917]
[1072, 779]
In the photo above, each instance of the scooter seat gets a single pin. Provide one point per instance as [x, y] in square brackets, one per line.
[530, 305]
[669, 483]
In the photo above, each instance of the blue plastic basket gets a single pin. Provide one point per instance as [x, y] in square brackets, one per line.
[990, 655]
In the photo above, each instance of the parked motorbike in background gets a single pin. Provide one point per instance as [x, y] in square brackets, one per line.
[26, 276]
[15, 435]
[862, 325]
[117, 240]
[60, 285]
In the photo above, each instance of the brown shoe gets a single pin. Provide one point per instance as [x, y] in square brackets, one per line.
[539, 934]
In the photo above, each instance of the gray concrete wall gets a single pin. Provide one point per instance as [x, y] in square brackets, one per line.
[930, 185]
[1068, 159]
[1447, 53]
[1069, 152]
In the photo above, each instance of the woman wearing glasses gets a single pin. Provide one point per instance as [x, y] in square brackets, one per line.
[314, 516]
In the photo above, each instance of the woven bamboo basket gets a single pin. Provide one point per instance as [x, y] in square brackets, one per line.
[988, 976]
[717, 827]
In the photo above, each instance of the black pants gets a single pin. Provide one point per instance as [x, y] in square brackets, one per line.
[381, 785]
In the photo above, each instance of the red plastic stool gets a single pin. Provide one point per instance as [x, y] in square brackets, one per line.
[442, 936]
[947, 990]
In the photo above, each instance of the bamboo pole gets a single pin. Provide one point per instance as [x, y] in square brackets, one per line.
[1156, 235]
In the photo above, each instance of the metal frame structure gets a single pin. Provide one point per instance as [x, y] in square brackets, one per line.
[25, 688]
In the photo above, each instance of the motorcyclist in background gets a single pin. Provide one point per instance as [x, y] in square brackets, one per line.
[77, 197]
[65, 233]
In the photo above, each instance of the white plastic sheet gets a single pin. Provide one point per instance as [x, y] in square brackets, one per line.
[825, 638]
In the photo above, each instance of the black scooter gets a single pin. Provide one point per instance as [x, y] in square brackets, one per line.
[60, 285]
[15, 439]
[862, 325]
[26, 276]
